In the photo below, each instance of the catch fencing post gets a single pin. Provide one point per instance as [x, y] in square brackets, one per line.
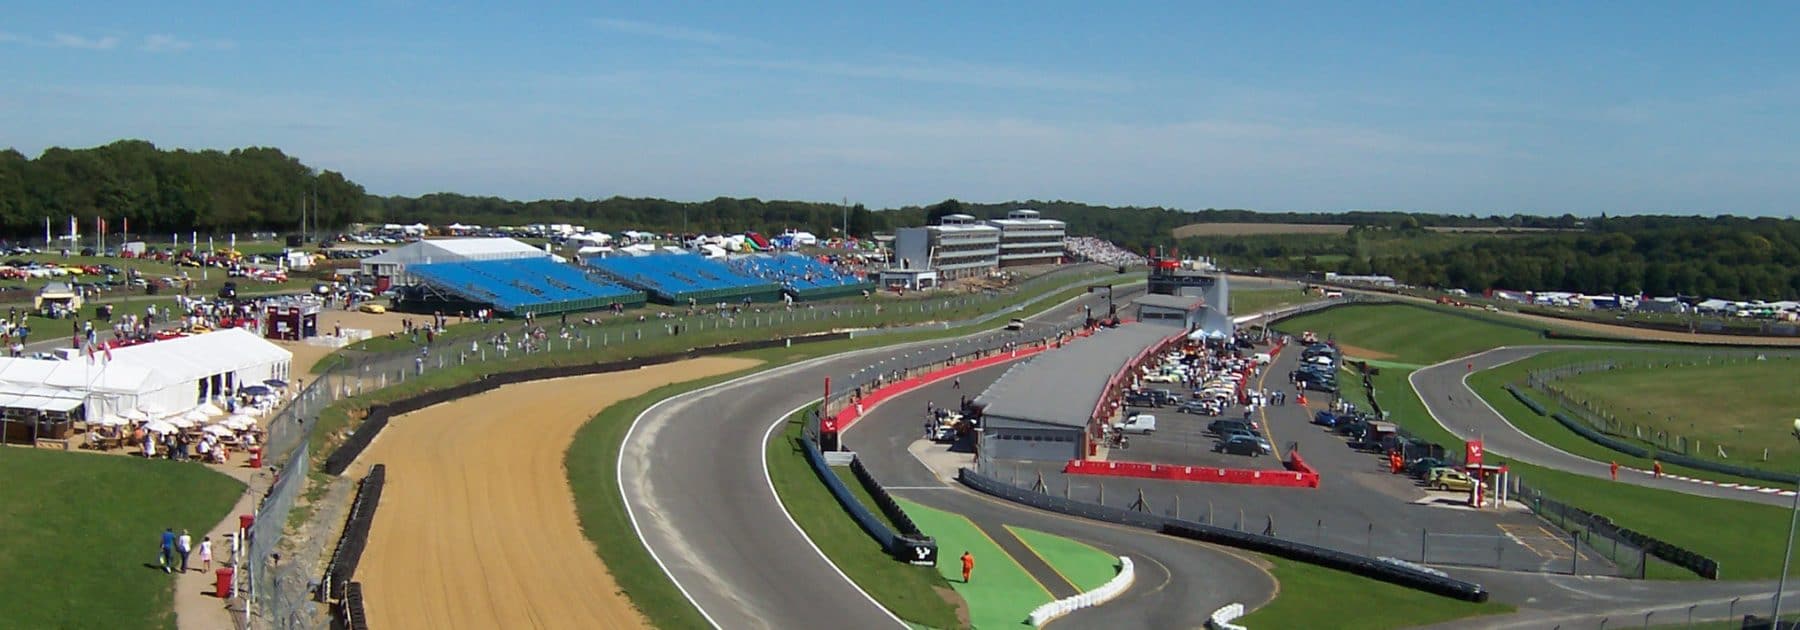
[1424, 536]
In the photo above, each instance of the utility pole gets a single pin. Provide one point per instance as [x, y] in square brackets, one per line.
[846, 217]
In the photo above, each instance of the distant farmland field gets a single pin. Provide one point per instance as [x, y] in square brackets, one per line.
[1195, 230]
[1253, 229]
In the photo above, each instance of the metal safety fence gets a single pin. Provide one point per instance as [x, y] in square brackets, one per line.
[1644, 425]
[1522, 544]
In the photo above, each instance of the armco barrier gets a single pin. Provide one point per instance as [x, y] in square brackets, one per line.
[1582, 429]
[356, 532]
[859, 512]
[1525, 400]
[1222, 618]
[1367, 567]
[1105, 593]
[1329, 558]
[1200, 474]
[377, 418]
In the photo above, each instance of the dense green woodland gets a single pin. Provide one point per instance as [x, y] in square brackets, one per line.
[263, 189]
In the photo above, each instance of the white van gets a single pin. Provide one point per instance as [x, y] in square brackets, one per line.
[1142, 423]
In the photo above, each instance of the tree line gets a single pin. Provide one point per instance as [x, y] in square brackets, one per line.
[1723, 257]
[259, 188]
[160, 192]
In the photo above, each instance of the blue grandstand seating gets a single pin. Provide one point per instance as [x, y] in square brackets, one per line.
[800, 274]
[519, 285]
[679, 277]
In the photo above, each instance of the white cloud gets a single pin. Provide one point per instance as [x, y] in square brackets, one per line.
[65, 40]
[165, 43]
[664, 31]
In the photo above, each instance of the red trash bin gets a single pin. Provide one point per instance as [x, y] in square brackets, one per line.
[246, 520]
[256, 457]
[222, 582]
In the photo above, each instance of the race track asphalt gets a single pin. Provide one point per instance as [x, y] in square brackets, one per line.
[694, 480]
[1180, 582]
[1445, 390]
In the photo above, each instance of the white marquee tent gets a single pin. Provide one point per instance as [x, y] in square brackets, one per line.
[171, 376]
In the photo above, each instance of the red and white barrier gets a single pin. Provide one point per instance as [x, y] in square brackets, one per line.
[1201, 474]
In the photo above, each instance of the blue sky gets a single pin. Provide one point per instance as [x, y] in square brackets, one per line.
[1446, 107]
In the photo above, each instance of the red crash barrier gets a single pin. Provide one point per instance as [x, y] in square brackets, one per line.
[1298, 464]
[851, 414]
[1201, 474]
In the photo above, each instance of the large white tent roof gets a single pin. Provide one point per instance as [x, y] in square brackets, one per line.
[197, 356]
[457, 250]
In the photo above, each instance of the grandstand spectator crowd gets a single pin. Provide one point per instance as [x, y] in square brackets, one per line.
[1101, 251]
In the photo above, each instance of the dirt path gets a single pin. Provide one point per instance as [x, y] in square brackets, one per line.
[477, 527]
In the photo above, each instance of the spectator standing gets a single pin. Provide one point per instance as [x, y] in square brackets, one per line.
[968, 565]
[184, 545]
[206, 553]
[167, 555]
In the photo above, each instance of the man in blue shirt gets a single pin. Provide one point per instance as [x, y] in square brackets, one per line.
[168, 548]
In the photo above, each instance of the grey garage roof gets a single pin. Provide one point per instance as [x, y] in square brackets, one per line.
[1184, 302]
[1060, 387]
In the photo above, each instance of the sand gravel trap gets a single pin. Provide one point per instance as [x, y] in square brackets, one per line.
[477, 527]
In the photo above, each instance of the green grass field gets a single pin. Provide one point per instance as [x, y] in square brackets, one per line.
[1082, 565]
[1395, 332]
[917, 594]
[1247, 301]
[1490, 384]
[1310, 595]
[82, 533]
[1000, 594]
[1745, 406]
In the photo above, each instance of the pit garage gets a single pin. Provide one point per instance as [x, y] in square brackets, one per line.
[1039, 410]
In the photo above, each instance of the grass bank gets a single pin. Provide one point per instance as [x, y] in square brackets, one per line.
[1311, 594]
[916, 594]
[82, 532]
[1246, 301]
[1411, 333]
[1746, 406]
[1490, 384]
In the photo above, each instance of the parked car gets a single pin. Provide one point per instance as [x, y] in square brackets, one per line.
[1239, 445]
[371, 307]
[1450, 479]
[1140, 399]
[1222, 426]
[1422, 467]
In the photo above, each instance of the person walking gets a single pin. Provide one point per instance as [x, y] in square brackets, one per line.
[1657, 466]
[1615, 471]
[957, 384]
[206, 554]
[184, 545]
[968, 565]
[167, 555]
